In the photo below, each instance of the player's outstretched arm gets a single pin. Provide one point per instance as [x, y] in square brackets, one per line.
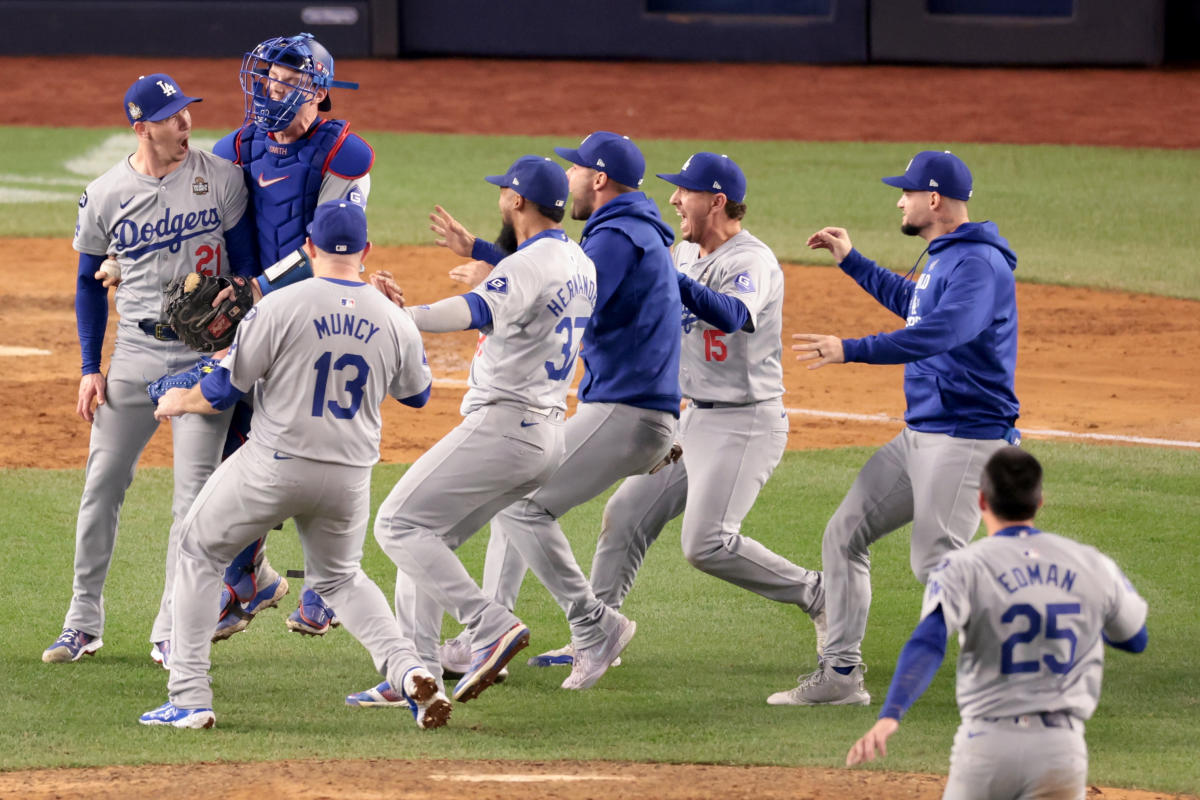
[451, 233]
[835, 240]
[873, 741]
[91, 387]
[471, 273]
[819, 349]
[178, 401]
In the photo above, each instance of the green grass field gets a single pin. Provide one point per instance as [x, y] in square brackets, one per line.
[694, 682]
[1083, 216]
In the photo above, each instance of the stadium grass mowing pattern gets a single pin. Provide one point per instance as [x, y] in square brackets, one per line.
[1082, 216]
[694, 682]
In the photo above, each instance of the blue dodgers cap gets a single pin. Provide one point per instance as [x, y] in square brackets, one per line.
[339, 226]
[610, 153]
[535, 178]
[153, 98]
[935, 171]
[709, 172]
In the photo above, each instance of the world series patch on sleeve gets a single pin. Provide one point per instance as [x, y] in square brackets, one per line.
[200, 325]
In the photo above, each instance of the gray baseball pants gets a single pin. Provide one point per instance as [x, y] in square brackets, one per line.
[498, 454]
[728, 455]
[1017, 758]
[246, 496]
[928, 479]
[604, 443]
[120, 431]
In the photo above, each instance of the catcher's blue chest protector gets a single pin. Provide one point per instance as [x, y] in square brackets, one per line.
[285, 181]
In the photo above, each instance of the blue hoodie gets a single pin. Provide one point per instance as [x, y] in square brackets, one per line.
[959, 346]
[631, 347]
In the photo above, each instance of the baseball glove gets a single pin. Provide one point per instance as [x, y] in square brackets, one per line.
[180, 380]
[188, 306]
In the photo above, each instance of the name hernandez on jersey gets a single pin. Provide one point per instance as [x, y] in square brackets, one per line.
[745, 366]
[331, 350]
[541, 299]
[1030, 608]
[160, 229]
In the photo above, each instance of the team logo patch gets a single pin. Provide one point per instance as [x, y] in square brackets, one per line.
[348, 302]
[743, 284]
[355, 197]
[199, 186]
[499, 285]
[83, 200]
[135, 111]
[251, 314]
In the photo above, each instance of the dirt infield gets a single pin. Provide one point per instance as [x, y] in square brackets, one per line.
[1089, 362]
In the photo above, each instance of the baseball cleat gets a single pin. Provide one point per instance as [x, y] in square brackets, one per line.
[562, 657]
[312, 617]
[71, 645]
[168, 714]
[381, 696]
[161, 654]
[429, 705]
[455, 656]
[591, 663]
[488, 661]
[236, 616]
[825, 687]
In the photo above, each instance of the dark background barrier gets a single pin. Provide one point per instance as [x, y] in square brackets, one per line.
[1148, 32]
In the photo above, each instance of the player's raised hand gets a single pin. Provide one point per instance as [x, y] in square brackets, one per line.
[471, 273]
[835, 240]
[874, 740]
[383, 281]
[451, 233]
[819, 349]
[91, 387]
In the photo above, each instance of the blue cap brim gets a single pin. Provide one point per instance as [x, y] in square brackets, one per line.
[900, 182]
[570, 154]
[679, 179]
[172, 108]
[497, 180]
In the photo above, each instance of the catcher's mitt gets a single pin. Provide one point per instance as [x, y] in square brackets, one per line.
[181, 380]
[188, 306]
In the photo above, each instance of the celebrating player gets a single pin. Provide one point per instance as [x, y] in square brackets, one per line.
[531, 308]
[164, 211]
[1032, 610]
[294, 160]
[734, 429]
[959, 348]
[628, 398]
[309, 457]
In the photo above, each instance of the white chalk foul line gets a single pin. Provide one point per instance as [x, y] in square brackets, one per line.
[528, 778]
[6, 350]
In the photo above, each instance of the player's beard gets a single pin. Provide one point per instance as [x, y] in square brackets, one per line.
[909, 229]
[580, 208]
[507, 238]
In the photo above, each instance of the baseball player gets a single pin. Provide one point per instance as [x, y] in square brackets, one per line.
[734, 428]
[164, 211]
[959, 348]
[532, 308]
[320, 356]
[1032, 611]
[293, 160]
[629, 395]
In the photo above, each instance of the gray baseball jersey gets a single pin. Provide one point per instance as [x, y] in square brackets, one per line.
[320, 354]
[337, 344]
[158, 229]
[541, 298]
[1030, 609]
[745, 366]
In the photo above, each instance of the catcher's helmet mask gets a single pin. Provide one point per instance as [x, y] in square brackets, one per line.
[302, 53]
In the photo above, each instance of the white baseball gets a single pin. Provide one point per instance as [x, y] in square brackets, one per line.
[112, 268]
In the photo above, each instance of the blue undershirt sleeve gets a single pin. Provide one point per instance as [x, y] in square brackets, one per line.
[487, 251]
[417, 400]
[719, 310]
[241, 246]
[919, 661]
[91, 312]
[218, 390]
[481, 314]
[1135, 644]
